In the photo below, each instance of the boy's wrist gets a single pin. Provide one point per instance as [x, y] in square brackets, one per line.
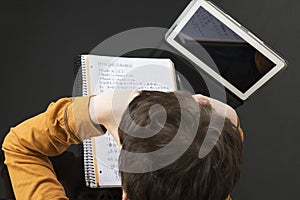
[92, 110]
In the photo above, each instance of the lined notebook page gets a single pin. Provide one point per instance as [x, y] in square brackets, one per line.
[110, 73]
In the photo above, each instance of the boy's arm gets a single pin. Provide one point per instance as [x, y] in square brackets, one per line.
[28, 145]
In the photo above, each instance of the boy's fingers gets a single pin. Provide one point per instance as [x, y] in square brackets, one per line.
[201, 99]
[120, 102]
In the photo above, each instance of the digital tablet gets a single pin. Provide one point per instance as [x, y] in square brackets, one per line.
[224, 49]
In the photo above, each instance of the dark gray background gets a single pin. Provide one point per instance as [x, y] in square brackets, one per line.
[39, 40]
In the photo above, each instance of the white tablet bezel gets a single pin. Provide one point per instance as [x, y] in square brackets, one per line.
[239, 30]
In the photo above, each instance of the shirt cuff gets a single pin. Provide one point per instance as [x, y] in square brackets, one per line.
[240, 129]
[79, 120]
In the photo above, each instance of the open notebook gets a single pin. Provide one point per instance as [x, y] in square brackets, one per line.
[102, 74]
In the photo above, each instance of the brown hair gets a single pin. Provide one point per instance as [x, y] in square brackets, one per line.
[212, 177]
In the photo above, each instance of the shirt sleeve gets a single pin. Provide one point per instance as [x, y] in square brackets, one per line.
[28, 145]
[240, 130]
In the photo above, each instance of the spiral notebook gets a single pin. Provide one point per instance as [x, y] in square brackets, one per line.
[101, 74]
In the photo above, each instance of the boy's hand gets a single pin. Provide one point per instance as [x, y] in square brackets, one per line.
[107, 109]
[219, 107]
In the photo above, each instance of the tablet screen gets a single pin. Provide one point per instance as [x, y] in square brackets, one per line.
[222, 50]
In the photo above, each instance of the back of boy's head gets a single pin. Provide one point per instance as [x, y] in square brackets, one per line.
[212, 177]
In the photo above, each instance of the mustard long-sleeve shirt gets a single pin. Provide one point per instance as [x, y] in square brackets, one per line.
[28, 145]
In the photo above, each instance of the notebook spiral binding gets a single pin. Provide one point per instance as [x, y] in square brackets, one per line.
[77, 88]
[88, 159]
